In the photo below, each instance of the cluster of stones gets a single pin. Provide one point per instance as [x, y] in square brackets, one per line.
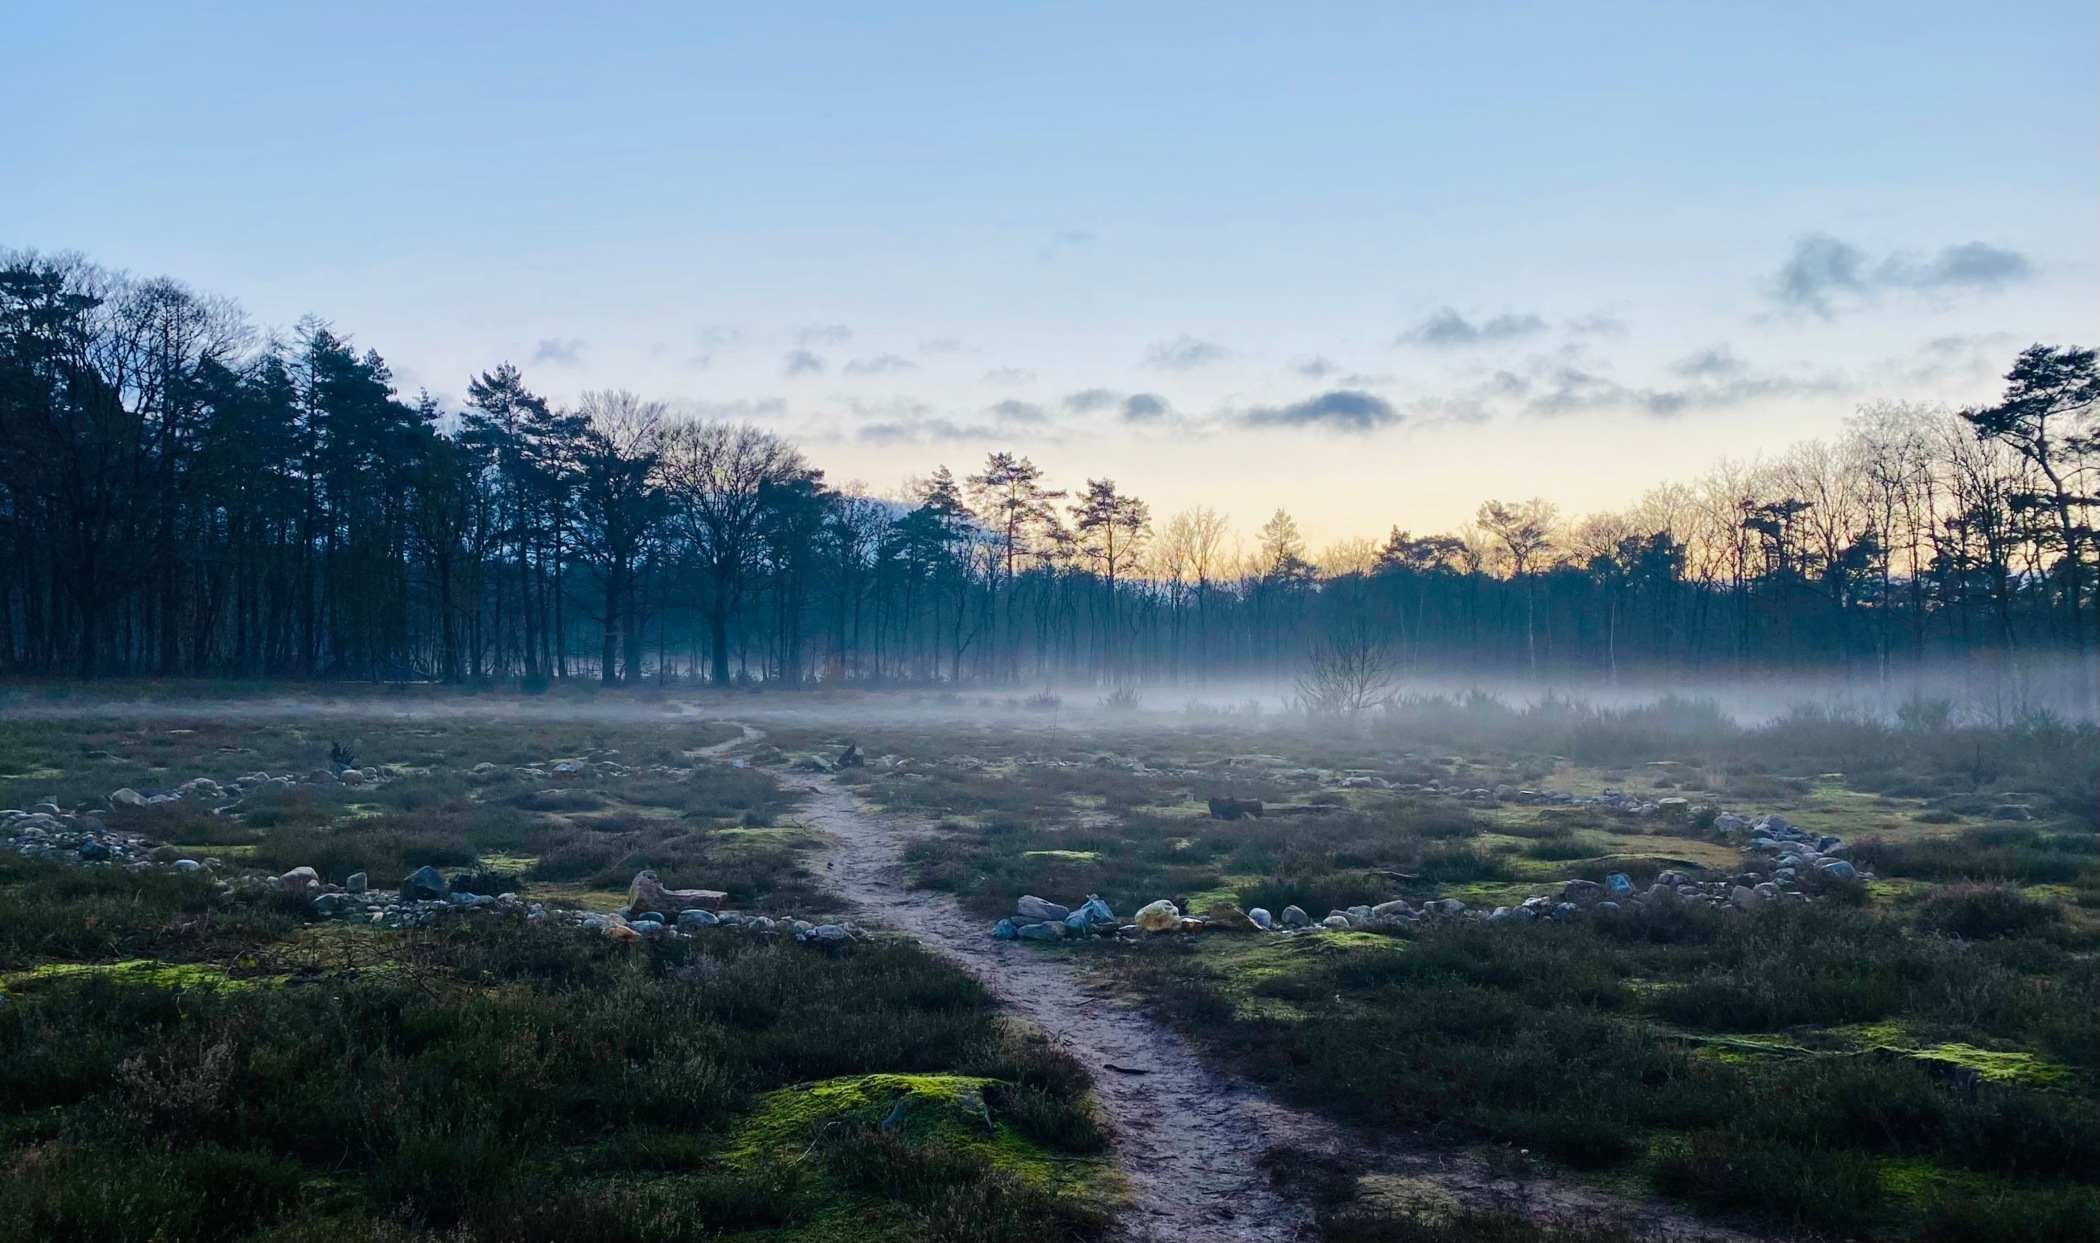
[47, 831]
[652, 925]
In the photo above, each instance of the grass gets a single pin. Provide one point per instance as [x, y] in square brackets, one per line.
[1723, 1060]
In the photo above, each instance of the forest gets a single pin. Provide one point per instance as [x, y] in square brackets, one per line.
[182, 495]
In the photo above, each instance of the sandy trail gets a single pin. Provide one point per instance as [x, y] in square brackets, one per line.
[1189, 1140]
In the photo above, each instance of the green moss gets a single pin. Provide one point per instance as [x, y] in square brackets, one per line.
[141, 971]
[1997, 1067]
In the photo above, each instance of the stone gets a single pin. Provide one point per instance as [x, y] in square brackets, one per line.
[827, 934]
[1581, 891]
[1294, 917]
[694, 917]
[1523, 914]
[1160, 916]
[329, 903]
[1045, 931]
[299, 880]
[646, 917]
[1036, 910]
[1095, 910]
[1075, 924]
[187, 865]
[1261, 917]
[1396, 909]
[647, 893]
[358, 882]
[1729, 822]
[127, 797]
[425, 884]
[1619, 885]
[1228, 917]
[93, 852]
[1747, 899]
[1004, 930]
[484, 768]
[1838, 869]
[1336, 920]
[1500, 915]
[1358, 914]
[1773, 822]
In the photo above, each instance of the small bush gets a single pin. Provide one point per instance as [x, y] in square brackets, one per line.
[1982, 912]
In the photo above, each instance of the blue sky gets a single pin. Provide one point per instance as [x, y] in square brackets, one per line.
[1368, 262]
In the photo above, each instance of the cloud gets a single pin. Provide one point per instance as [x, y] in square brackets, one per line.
[1144, 407]
[945, 345]
[1718, 360]
[1009, 375]
[562, 353]
[1712, 379]
[1344, 409]
[1597, 324]
[823, 334]
[1019, 411]
[736, 409]
[1090, 399]
[1448, 328]
[1184, 353]
[1825, 275]
[1061, 241]
[880, 366]
[801, 362]
[1316, 368]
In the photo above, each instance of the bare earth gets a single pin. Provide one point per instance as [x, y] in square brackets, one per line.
[1190, 1141]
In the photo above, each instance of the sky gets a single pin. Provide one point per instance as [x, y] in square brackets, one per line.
[1370, 263]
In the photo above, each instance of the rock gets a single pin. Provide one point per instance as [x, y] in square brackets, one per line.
[1747, 899]
[187, 865]
[1523, 914]
[1607, 905]
[1095, 910]
[1293, 917]
[1160, 916]
[329, 903]
[851, 757]
[484, 768]
[1036, 910]
[1228, 917]
[827, 934]
[351, 777]
[1581, 891]
[1396, 909]
[425, 884]
[1040, 932]
[93, 852]
[2011, 811]
[694, 917]
[1500, 915]
[1359, 914]
[127, 797]
[1075, 924]
[647, 893]
[1768, 890]
[1564, 910]
[1729, 822]
[646, 917]
[1336, 920]
[1261, 917]
[1004, 930]
[1619, 885]
[1838, 869]
[1773, 822]
[299, 880]
[1451, 906]
[358, 882]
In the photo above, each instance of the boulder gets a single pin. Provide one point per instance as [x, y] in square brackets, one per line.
[826, 934]
[1045, 931]
[187, 865]
[1294, 917]
[93, 852]
[1619, 885]
[425, 884]
[299, 880]
[694, 917]
[358, 882]
[1228, 917]
[1160, 916]
[1396, 909]
[647, 893]
[1075, 924]
[1036, 910]
[1336, 920]
[1004, 930]
[1359, 914]
[1095, 910]
[1729, 822]
[1838, 869]
[127, 797]
[1747, 899]
[1261, 917]
[1581, 891]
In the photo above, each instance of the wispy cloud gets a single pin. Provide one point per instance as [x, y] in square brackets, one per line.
[1185, 353]
[1009, 375]
[1715, 378]
[1144, 407]
[882, 365]
[1318, 367]
[1349, 410]
[558, 351]
[1448, 328]
[1012, 411]
[801, 362]
[1826, 275]
[831, 335]
[1090, 399]
[1062, 241]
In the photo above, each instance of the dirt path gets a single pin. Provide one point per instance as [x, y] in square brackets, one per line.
[1190, 1140]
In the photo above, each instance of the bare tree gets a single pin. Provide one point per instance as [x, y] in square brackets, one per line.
[1526, 534]
[1347, 675]
[619, 502]
[718, 475]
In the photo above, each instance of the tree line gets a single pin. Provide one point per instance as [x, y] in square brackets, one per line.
[182, 496]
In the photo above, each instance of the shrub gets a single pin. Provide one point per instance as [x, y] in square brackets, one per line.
[1981, 912]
